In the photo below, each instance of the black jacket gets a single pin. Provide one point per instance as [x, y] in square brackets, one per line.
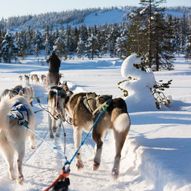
[54, 63]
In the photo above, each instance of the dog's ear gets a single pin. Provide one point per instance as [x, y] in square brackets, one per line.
[21, 92]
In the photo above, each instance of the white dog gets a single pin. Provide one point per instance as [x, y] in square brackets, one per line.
[16, 122]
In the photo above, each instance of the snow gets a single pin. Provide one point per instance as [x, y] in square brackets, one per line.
[156, 155]
[104, 17]
[117, 15]
[138, 85]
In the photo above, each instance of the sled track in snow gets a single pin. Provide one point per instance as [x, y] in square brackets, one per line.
[42, 165]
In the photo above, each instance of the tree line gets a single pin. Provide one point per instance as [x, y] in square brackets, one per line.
[149, 32]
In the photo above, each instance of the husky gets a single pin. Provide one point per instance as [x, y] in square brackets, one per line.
[56, 101]
[64, 85]
[20, 77]
[8, 92]
[83, 108]
[43, 80]
[28, 90]
[16, 123]
[35, 78]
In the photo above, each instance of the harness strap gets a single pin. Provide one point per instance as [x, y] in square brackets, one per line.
[85, 101]
[103, 106]
[19, 111]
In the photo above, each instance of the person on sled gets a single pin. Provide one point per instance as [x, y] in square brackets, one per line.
[53, 76]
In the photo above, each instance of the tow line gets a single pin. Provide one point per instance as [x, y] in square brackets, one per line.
[62, 182]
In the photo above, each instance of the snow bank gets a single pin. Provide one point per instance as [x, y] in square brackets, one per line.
[138, 84]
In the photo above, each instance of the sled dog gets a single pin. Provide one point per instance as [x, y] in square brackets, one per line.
[35, 78]
[83, 108]
[8, 92]
[43, 80]
[56, 101]
[28, 90]
[16, 123]
[64, 85]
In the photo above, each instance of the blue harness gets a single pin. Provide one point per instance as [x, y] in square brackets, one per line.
[19, 111]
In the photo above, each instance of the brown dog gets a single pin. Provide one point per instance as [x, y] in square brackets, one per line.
[83, 108]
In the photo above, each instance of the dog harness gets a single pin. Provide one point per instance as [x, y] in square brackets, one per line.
[19, 111]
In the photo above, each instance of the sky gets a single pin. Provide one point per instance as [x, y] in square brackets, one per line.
[24, 7]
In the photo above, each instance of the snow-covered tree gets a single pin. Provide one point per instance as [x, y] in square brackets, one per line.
[37, 42]
[21, 44]
[122, 44]
[113, 33]
[1, 39]
[92, 46]
[152, 36]
[188, 47]
[8, 48]
[48, 40]
[60, 47]
[81, 48]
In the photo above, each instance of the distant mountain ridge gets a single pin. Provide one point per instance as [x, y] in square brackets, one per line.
[75, 18]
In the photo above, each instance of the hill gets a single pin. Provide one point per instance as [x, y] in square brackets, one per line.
[75, 18]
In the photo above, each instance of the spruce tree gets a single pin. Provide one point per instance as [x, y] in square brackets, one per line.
[60, 47]
[92, 46]
[112, 35]
[8, 48]
[122, 44]
[188, 45]
[152, 38]
[81, 48]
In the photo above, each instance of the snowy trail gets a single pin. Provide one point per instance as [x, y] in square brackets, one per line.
[42, 165]
[153, 157]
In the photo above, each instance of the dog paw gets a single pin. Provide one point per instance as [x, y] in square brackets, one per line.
[33, 147]
[51, 136]
[115, 173]
[12, 177]
[20, 180]
[95, 165]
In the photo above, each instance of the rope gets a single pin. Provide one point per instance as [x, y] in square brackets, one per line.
[43, 108]
[64, 137]
[66, 167]
[43, 140]
[65, 171]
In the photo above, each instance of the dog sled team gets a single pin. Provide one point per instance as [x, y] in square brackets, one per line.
[17, 120]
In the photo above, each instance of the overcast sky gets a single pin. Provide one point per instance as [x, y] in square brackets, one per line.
[24, 7]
